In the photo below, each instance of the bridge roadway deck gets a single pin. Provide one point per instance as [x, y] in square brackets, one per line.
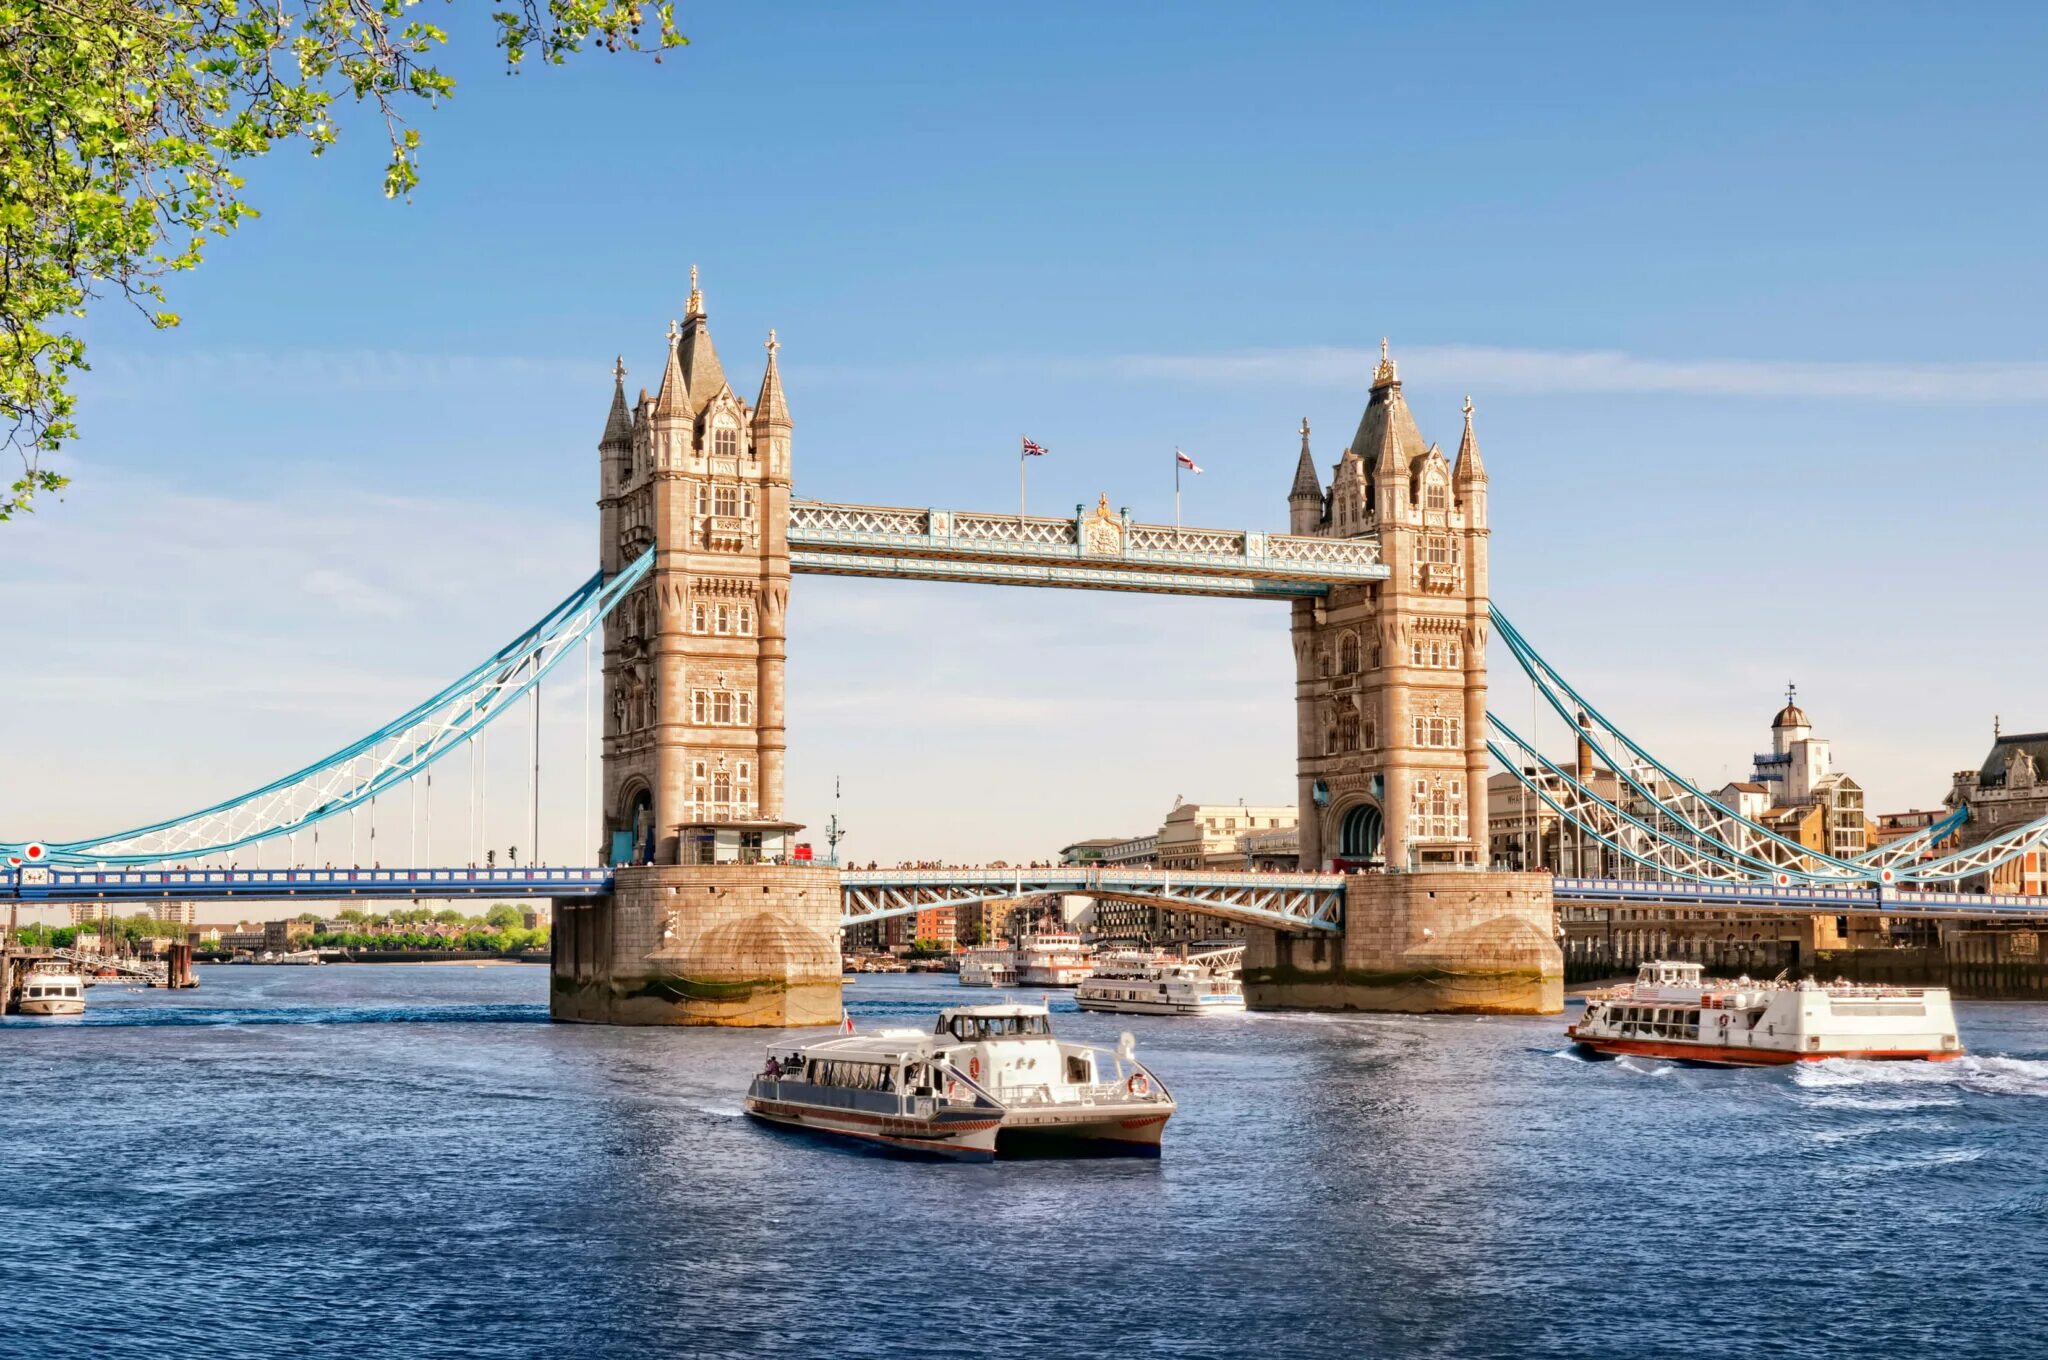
[1286, 901]
[1283, 901]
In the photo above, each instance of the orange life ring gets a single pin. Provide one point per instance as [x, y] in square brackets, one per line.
[952, 1089]
[974, 1068]
[1726, 1019]
[1139, 1085]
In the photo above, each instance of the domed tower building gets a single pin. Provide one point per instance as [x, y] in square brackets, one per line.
[694, 738]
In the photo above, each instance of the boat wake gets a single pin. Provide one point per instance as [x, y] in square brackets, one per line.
[170, 1017]
[1903, 1085]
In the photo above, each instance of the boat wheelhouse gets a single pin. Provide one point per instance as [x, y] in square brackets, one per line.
[1671, 1011]
[986, 1081]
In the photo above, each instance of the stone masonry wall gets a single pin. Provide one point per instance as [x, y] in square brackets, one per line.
[743, 945]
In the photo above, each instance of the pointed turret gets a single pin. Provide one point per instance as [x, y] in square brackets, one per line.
[1305, 497]
[618, 425]
[1308, 485]
[673, 401]
[700, 358]
[770, 410]
[1470, 468]
[1387, 437]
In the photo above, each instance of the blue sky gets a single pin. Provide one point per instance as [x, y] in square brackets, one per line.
[1748, 301]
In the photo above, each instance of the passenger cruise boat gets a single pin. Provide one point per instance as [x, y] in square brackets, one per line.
[1671, 1012]
[987, 1081]
[1053, 958]
[988, 966]
[1152, 983]
[52, 991]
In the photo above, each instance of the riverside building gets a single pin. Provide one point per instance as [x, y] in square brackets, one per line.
[2007, 790]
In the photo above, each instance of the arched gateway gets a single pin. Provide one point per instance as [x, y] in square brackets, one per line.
[712, 920]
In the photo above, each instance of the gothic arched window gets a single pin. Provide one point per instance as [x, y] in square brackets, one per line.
[1435, 498]
[725, 442]
[1347, 654]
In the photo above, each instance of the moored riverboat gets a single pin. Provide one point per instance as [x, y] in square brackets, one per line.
[1154, 983]
[987, 1081]
[1671, 1011]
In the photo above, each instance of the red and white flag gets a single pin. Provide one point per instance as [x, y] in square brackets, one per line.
[1186, 462]
[847, 1022]
[1032, 448]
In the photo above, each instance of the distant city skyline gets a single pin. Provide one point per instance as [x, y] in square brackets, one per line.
[1753, 410]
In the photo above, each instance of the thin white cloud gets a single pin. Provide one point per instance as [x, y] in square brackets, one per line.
[354, 370]
[350, 595]
[1612, 371]
[1499, 367]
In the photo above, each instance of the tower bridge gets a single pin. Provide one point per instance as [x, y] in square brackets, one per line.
[697, 910]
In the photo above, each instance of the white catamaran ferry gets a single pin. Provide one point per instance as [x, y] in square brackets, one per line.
[1053, 958]
[1671, 1012]
[988, 966]
[1152, 983]
[987, 1081]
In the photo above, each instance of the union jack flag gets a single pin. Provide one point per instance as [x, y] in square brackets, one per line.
[1033, 449]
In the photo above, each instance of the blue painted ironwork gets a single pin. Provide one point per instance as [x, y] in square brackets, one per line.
[64, 885]
[1799, 899]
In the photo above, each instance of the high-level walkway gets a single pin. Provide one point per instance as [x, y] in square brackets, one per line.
[1102, 550]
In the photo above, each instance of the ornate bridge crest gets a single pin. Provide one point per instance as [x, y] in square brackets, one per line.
[1102, 532]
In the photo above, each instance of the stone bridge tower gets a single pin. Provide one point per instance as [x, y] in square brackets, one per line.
[1390, 706]
[712, 921]
[693, 662]
[1390, 678]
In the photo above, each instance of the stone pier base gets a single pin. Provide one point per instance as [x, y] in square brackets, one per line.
[728, 944]
[1444, 940]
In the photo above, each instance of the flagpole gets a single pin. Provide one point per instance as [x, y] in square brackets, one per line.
[1020, 480]
[1176, 488]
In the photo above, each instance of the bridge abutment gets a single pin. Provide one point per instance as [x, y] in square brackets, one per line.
[726, 944]
[1461, 941]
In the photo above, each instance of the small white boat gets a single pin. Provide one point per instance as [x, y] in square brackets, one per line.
[988, 966]
[1137, 983]
[1670, 1011]
[52, 991]
[987, 1081]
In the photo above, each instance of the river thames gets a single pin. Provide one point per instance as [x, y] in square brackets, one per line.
[410, 1161]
